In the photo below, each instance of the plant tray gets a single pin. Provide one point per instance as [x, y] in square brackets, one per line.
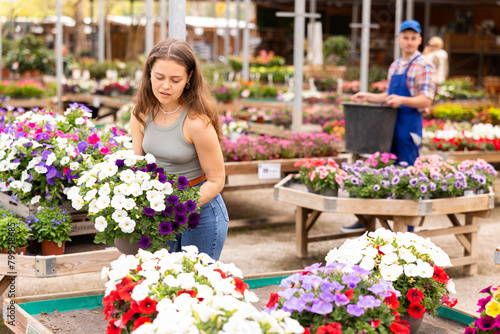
[369, 127]
[81, 224]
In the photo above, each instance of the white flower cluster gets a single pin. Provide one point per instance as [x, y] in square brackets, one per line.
[477, 132]
[121, 195]
[217, 294]
[395, 254]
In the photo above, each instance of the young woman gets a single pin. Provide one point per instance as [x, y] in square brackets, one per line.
[175, 120]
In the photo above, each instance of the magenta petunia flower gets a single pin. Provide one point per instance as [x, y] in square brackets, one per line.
[485, 323]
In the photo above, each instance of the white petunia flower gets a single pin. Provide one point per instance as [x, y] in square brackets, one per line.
[158, 206]
[150, 158]
[77, 202]
[119, 215]
[127, 176]
[127, 225]
[101, 223]
[64, 160]
[391, 273]
[140, 292]
[50, 159]
[93, 207]
[118, 201]
[104, 190]
[26, 187]
[90, 195]
[129, 204]
[35, 199]
[41, 169]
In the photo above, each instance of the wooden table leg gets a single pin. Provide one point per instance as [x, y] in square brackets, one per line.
[301, 231]
[471, 219]
[5, 283]
[401, 223]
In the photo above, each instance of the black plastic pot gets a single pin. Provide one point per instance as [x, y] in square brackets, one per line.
[369, 127]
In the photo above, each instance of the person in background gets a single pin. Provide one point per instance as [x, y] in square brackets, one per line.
[412, 87]
[435, 53]
[175, 119]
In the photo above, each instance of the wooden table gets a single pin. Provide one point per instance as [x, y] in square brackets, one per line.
[403, 213]
[53, 265]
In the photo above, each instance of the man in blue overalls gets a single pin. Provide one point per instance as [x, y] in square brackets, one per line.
[411, 88]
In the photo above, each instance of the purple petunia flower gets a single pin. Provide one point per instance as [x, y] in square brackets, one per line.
[368, 301]
[193, 220]
[355, 310]
[340, 299]
[376, 187]
[172, 199]
[332, 286]
[182, 182]
[165, 228]
[413, 182]
[326, 296]
[320, 307]
[82, 146]
[423, 188]
[181, 219]
[45, 154]
[190, 205]
[294, 304]
[34, 153]
[148, 211]
[307, 297]
[351, 281]
[120, 163]
[144, 242]
[175, 225]
[486, 290]
[168, 211]
[162, 178]
[151, 167]
[180, 208]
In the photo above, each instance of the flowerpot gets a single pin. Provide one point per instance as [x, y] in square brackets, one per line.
[369, 128]
[414, 322]
[481, 191]
[330, 192]
[124, 246]
[469, 192]
[18, 251]
[51, 248]
[311, 189]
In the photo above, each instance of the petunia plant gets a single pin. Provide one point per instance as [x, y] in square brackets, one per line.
[489, 313]
[184, 292]
[129, 196]
[413, 265]
[338, 298]
[42, 153]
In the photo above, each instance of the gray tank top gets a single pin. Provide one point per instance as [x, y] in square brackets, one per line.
[171, 150]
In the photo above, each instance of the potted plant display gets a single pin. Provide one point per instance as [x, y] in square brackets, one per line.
[51, 226]
[14, 234]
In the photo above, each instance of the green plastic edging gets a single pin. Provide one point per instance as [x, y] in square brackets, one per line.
[63, 305]
[260, 282]
[452, 314]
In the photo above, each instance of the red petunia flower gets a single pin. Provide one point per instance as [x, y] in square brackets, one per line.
[416, 310]
[415, 295]
[240, 285]
[375, 323]
[140, 321]
[399, 328]
[333, 328]
[147, 306]
[273, 299]
[112, 328]
[222, 274]
[125, 293]
[440, 275]
[306, 331]
[349, 294]
[305, 272]
[392, 301]
[128, 315]
[191, 293]
[450, 302]
[125, 281]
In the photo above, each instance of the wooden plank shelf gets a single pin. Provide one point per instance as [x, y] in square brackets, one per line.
[402, 213]
[81, 224]
[31, 103]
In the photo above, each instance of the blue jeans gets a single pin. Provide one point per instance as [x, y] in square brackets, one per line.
[209, 236]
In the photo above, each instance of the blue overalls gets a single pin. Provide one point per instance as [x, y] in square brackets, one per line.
[409, 120]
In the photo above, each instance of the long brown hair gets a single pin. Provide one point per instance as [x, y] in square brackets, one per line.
[197, 97]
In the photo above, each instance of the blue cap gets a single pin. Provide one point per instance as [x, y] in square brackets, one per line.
[410, 24]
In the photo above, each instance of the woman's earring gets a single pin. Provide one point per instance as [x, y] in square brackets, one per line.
[187, 85]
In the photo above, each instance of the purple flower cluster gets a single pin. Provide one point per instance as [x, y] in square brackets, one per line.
[348, 292]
